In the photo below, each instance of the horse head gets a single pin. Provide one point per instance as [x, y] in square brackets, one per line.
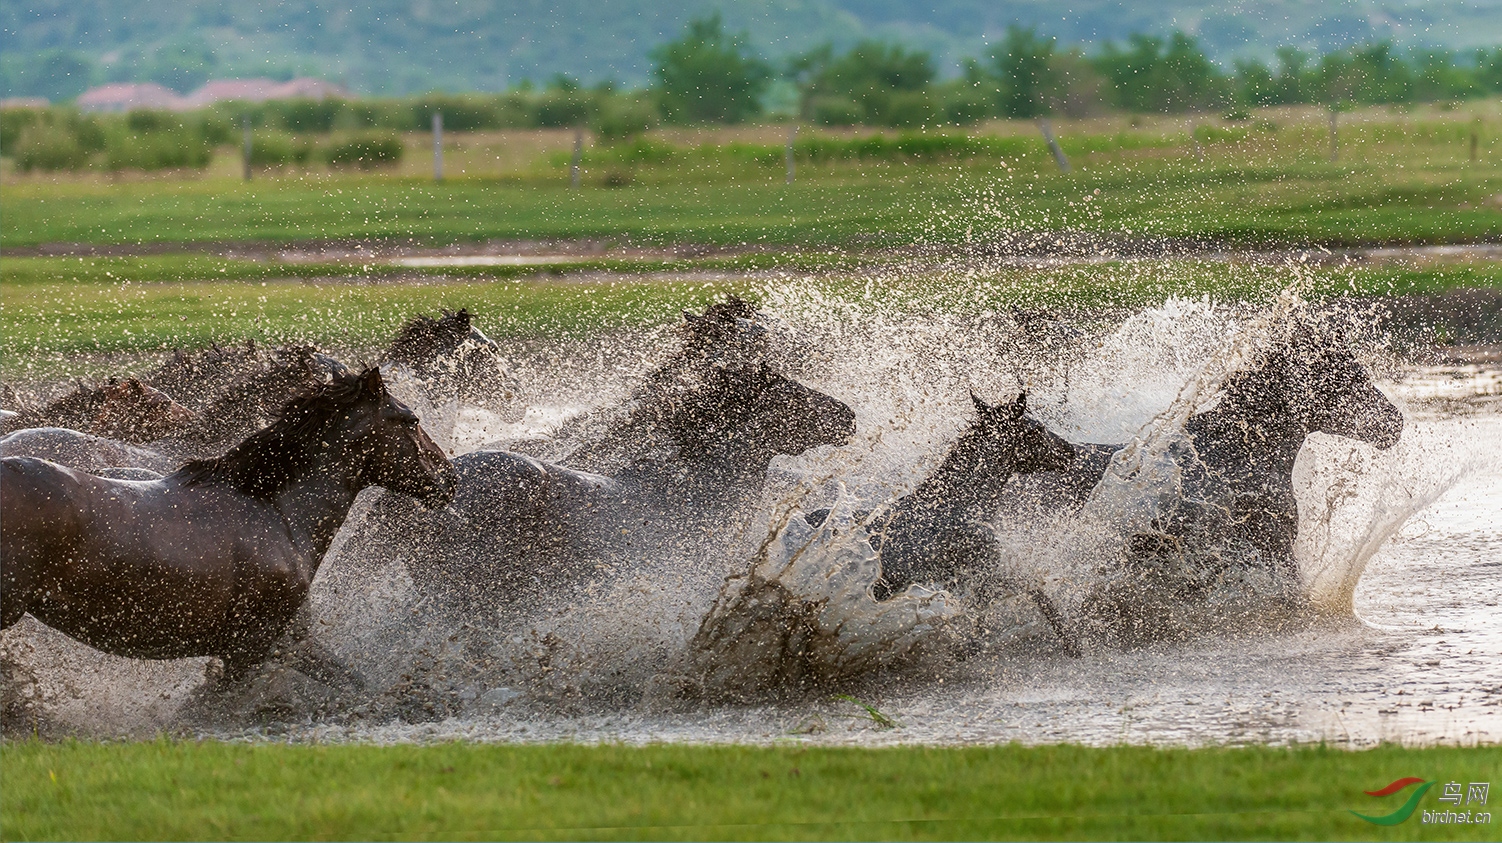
[726, 400]
[394, 450]
[728, 329]
[1002, 441]
[1328, 390]
[134, 412]
[452, 348]
[351, 428]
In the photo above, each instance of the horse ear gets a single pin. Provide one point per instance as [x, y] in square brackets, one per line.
[980, 406]
[371, 381]
[135, 386]
[1019, 407]
[463, 316]
[691, 318]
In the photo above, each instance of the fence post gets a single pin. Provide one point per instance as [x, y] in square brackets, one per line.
[1199, 150]
[1475, 141]
[1334, 135]
[1053, 146]
[438, 146]
[792, 136]
[245, 125]
[573, 167]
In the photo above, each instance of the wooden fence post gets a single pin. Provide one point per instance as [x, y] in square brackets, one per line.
[1053, 146]
[1334, 135]
[438, 146]
[1199, 150]
[792, 136]
[245, 125]
[573, 167]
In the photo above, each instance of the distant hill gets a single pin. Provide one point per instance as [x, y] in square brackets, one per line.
[56, 48]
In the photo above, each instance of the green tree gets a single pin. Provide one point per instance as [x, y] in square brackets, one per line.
[875, 82]
[1152, 74]
[1021, 64]
[708, 76]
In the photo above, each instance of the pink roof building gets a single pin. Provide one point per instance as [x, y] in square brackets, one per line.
[260, 90]
[125, 96]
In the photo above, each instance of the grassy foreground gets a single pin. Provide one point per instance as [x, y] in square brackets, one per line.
[172, 790]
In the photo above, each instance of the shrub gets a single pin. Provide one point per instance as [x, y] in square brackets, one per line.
[45, 146]
[365, 151]
[617, 177]
[620, 119]
[13, 120]
[275, 149]
[558, 109]
[835, 111]
[157, 151]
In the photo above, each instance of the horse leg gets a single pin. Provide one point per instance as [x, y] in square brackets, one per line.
[1056, 620]
[300, 651]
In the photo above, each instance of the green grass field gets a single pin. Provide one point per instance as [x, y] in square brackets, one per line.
[183, 790]
[880, 205]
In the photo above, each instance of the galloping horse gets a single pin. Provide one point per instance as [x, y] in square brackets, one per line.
[1237, 473]
[937, 533]
[693, 445]
[452, 359]
[1247, 444]
[83, 451]
[249, 399]
[215, 559]
[127, 410]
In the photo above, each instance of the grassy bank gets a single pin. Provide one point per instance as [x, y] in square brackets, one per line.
[1261, 202]
[170, 791]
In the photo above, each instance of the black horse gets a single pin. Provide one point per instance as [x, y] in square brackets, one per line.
[217, 558]
[695, 444]
[938, 533]
[452, 359]
[1237, 507]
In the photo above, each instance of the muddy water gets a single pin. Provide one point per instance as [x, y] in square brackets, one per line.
[1403, 566]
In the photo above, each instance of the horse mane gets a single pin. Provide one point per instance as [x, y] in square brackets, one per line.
[279, 453]
[422, 337]
[670, 401]
[1300, 339]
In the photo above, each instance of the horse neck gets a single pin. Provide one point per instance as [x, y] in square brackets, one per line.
[315, 504]
[951, 491]
[1253, 431]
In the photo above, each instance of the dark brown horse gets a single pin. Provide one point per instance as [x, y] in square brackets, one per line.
[217, 558]
[126, 410]
[678, 462]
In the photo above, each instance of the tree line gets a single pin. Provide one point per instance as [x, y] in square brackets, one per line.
[710, 76]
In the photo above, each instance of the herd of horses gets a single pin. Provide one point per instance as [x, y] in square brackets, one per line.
[186, 512]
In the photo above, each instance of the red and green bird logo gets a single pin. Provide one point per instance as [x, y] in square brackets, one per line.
[1408, 808]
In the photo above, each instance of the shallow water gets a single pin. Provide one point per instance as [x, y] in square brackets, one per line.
[1401, 553]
